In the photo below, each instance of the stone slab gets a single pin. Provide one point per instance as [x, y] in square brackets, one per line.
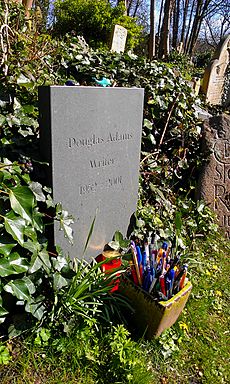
[214, 184]
[216, 75]
[91, 137]
[119, 39]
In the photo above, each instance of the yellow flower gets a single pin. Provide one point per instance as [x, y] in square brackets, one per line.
[183, 326]
[218, 293]
[215, 267]
[208, 273]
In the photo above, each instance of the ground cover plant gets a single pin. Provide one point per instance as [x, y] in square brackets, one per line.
[67, 342]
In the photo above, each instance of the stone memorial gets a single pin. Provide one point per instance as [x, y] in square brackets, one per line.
[119, 39]
[91, 138]
[215, 76]
[214, 184]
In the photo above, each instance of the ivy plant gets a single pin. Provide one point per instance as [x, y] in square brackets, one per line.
[27, 268]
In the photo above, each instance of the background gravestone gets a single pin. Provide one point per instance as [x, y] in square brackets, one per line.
[119, 39]
[214, 184]
[91, 137]
[216, 75]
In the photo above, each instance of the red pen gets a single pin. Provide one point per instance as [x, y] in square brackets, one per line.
[182, 280]
[162, 284]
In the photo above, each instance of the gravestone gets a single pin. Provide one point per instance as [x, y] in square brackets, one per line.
[214, 184]
[215, 75]
[91, 137]
[119, 39]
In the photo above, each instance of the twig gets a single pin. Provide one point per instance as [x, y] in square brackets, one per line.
[167, 123]
[5, 45]
[148, 156]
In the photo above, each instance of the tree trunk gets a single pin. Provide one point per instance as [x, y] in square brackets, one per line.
[152, 50]
[185, 12]
[189, 25]
[160, 19]
[195, 24]
[164, 37]
[176, 16]
[202, 7]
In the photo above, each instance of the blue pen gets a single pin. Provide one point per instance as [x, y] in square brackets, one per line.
[139, 255]
[152, 271]
[144, 260]
[168, 286]
[147, 280]
[171, 278]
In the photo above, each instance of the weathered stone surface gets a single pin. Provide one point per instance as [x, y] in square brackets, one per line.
[119, 39]
[214, 184]
[91, 137]
[202, 113]
[216, 75]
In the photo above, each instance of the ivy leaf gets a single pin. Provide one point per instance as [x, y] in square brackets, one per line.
[22, 201]
[59, 262]
[5, 268]
[148, 124]
[119, 238]
[45, 259]
[30, 285]
[65, 221]
[22, 80]
[15, 225]
[37, 220]
[36, 264]
[36, 188]
[18, 288]
[36, 307]
[6, 244]
[59, 281]
[200, 206]
[151, 138]
[2, 120]
[32, 246]
[3, 313]
[19, 263]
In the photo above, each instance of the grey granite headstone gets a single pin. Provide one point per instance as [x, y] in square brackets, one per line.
[91, 137]
[214, 184]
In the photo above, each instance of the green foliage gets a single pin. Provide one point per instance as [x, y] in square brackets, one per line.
[195, 348]
[94, 20]
[87, 298]
[174, 217]
[88, 356]
[26, 269]
[5, 357]
[182, 63]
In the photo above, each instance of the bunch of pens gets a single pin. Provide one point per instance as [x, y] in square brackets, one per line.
[156, 270]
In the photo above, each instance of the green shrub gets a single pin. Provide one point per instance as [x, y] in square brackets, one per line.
[94, 20]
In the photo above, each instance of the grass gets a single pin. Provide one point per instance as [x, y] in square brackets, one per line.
[194, 350]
